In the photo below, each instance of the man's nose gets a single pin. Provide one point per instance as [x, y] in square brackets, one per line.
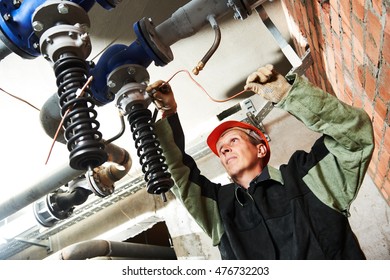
[225, 149]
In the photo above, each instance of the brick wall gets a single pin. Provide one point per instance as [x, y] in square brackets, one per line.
[350, 44]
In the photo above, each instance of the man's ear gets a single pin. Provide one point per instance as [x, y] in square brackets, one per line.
[261, 150]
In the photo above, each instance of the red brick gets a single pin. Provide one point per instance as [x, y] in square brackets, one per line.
[287, 5]
[319, 61]
[358, 9]
[358, 101]
[291, 9]
[340, 76]
[368, 107]
[387, 26]
[299, 17]
[347, 54]
[348, 92]
[386, 143]
[359, 75]
[381, 109]
[314, 37]
[316, 77]
[371, 169]
[377, 5]
[387, 138]
[384, 83]
[358, 89]
[386, 43]
[323, 84]
[325, 7]
[334, 19]
[386, 190]
[345, 13]
[375, 156]
[370, 85]
[310, 12]
[378, 180]
[309, 73]
[347, 29]
[330, 63]
[337, 49]
[317, 9]
[357, 42]
[378, 127]
[326, 32]
[383, 164]
[374, 32]
[306, 22]
[386, 194]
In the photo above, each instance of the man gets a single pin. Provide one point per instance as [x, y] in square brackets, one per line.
[299, 211]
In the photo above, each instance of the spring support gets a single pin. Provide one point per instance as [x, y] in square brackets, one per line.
[150, 155]
[80, 124]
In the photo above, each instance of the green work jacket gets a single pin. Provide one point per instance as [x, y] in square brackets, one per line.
[297, 211]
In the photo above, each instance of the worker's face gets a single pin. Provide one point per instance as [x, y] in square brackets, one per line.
[238, 154]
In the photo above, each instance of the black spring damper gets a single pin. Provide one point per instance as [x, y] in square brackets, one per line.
[150, 154]
[80, 124]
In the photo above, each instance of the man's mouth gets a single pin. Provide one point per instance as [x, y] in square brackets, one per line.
[228, 160]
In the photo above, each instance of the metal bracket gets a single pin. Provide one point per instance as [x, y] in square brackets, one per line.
[256, 119]
[300, 65]
[307, 61]
[36, 242]
[287, 50]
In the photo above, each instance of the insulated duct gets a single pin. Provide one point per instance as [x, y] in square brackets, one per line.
[104, 248]
[54, 180]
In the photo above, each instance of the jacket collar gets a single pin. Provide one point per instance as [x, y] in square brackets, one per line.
[268, 173]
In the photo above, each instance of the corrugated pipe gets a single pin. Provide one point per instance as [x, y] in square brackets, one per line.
[100, 248]
[213, 48]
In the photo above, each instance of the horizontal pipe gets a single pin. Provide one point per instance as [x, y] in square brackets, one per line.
[47, 184]
[63, 175]
[103, 248]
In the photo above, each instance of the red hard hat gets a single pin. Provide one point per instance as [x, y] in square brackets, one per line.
[220, 129]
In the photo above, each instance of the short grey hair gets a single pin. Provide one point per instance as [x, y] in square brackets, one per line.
[253, 136]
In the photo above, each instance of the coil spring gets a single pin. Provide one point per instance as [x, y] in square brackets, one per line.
[156, 176]
[80, 124]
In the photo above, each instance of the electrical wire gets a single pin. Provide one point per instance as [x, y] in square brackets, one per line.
[20, 99]
[80, 93]
[203, 89]
[120, 133]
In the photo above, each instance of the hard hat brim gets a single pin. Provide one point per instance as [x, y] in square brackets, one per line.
[214, 136]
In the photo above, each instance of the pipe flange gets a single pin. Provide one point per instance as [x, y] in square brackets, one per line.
[160, 50]
[128, 83]
[65, 39]
[130, 94]
[53, 13]
[96, 187]
[239, 9]
[128, 73]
